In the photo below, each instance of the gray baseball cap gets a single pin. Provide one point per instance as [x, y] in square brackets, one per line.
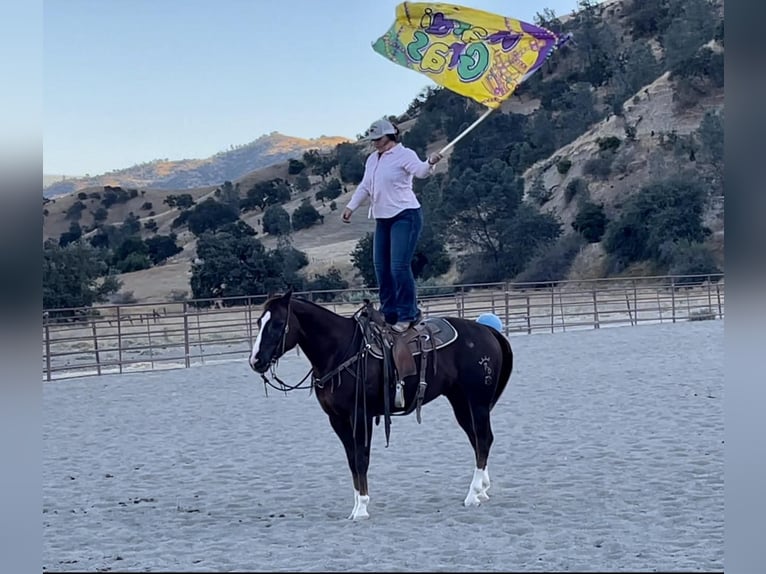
[379, 129]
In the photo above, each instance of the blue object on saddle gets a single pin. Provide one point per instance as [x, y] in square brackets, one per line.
[491, 320]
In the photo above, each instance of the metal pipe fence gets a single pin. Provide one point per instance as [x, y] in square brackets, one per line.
[120, 338]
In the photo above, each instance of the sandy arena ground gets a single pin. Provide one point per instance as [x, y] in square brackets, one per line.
[608, 456]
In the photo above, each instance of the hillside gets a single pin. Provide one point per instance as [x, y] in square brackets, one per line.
[573, 134]
[191, 173]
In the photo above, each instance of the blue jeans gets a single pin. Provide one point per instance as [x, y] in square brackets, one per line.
[393, 247]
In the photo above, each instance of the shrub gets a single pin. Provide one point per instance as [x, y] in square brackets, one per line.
[590, 221]
[124, 298]
[599, 167]
[653, 220]
[182, 219]
[480, 268]
[563, 166]
[577, 186]
[302, 182]
[702, 315]
[552, 263]
[133, 262]
[100, 214]
[433, 287]
[75, 210]
[329, 191]
[74, 233]
[538, 192]
[295, 167]
[330, 281]
[161, 247]
[209, 216]
[685, 257]
[178, 295]
[610, 143]
[305, 215]
[276, 220]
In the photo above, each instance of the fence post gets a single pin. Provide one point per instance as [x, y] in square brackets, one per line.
[688, 304]
[553, 306]
[635, 301]
[507, 310]
[561, 308]
[186, 336]
[250, 321]
[119, 339]
[709, 295]
[149, 340]
[627, 302]
[529, 317]
[47, 351]
[595, 311]
[199, 340]
[718, 294]
[673, 297]
[95, 347]
[659, 304]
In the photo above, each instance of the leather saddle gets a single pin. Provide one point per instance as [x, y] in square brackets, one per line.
[428, 335]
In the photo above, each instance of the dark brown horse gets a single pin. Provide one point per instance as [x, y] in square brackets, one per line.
[471, 370]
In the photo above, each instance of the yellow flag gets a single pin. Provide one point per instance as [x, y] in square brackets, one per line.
[477, 54]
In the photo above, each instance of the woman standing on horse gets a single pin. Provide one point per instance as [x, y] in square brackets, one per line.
[387, 182]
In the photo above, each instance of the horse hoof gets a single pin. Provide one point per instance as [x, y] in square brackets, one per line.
[472, 500]
[360, 508]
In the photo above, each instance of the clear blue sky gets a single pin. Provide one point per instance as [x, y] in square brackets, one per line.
[129, 81]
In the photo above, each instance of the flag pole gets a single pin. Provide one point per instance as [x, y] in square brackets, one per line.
[466, 130]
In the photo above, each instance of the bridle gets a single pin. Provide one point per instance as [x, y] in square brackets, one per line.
[283, 386]
[313, 381]
[359, 374]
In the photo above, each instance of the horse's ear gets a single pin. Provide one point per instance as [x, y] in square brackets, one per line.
[288, 294]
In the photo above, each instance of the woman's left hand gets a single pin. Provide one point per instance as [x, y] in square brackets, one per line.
[434, 158]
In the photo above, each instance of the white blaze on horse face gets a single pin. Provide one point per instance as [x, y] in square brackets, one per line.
[477, 492]
[257, 345]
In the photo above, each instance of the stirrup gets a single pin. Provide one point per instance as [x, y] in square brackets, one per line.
[399, 396]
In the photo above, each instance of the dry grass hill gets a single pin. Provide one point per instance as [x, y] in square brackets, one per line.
[650, 112]
[231, 164]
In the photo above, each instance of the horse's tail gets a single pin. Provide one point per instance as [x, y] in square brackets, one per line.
[506, 367]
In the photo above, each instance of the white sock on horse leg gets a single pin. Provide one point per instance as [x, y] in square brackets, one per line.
[356, 504]
[483, 496]
[477, 492]
[360, 506]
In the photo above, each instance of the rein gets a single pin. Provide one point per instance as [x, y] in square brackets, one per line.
[362, 327]
[319, 382]
[283, 386]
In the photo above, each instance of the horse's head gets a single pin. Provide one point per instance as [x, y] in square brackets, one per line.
[277, 333]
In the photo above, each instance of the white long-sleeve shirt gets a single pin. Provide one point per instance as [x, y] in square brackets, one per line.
[387, 182]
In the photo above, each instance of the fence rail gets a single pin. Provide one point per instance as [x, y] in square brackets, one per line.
[120, 338]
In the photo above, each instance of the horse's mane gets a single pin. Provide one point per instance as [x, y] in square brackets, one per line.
[270, 301]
